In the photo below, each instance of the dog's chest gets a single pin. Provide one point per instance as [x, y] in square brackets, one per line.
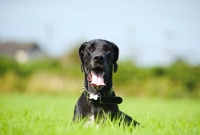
[90, 120]
[98, 113]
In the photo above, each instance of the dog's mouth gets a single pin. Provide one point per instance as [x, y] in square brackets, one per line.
[97, 78]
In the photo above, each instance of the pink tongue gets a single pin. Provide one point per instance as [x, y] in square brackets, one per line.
[97, 79]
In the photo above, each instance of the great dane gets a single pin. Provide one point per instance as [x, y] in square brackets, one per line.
[98, 100]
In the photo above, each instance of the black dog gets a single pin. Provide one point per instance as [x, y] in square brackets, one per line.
[99, 59]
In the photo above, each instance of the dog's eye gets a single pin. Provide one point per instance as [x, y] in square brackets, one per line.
[107, 49]
[91, 48]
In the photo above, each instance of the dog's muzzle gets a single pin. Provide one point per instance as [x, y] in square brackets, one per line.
[97, 78]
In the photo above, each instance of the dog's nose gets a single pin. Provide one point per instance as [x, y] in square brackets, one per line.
[98, 58]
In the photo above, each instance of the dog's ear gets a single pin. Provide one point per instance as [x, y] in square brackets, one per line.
[81, 52]
[115, 67]
[116, 54]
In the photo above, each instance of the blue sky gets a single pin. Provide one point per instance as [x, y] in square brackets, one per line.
[149, 32]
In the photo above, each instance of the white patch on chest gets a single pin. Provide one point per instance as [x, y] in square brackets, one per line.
[90, 120]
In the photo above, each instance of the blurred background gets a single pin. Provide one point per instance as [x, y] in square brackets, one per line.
[158, 42]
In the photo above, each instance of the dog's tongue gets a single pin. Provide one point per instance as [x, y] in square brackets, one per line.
[97, 79]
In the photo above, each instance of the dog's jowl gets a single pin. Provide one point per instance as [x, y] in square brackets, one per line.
[98, 99]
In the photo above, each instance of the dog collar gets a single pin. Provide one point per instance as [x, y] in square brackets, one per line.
[104, 98]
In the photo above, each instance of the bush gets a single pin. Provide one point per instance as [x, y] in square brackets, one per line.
[177, 80]
[7, 64]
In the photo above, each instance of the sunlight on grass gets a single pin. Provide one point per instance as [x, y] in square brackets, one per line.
[52, 114]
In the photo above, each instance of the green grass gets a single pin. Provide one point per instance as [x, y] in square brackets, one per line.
[52, 114]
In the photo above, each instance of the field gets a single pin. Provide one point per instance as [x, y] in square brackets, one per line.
[52, 113]
[38, 97]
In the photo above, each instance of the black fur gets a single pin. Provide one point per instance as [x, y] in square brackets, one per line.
[100, 54]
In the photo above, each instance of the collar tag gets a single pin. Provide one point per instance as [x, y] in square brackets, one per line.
[93, 96]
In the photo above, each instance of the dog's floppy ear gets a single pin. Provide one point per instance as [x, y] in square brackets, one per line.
[81, 52]
[116, 54]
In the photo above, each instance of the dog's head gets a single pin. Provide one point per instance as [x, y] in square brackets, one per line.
[98, 58]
